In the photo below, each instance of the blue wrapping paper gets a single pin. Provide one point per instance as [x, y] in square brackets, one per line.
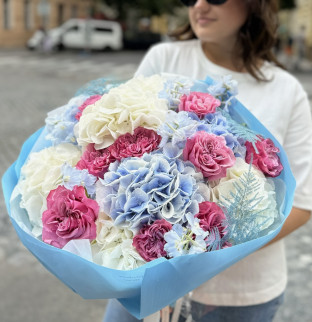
[156, 284]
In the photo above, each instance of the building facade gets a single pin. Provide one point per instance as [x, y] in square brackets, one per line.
[19, 19]
[297, 23]
[303, 18]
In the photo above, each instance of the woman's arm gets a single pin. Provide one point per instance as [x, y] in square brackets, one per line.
[296, 219]
[298, 147]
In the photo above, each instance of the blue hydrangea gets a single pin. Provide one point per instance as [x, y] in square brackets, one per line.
[73, 177]
[60, 122]
[170, 151]
[177, 128]
[141, 190]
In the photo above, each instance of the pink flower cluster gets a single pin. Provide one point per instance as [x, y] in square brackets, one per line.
[127, 145]
[142, 141]
[199, 103]
[70, 215]
[212, 217]
[266, 160]
[209, 153]
[95, 161]
[150, 242]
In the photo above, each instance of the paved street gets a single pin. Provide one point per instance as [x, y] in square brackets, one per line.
[31, 84]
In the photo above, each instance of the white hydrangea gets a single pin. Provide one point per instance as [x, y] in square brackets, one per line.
[123, 109]
[113, 247]
[41, 174]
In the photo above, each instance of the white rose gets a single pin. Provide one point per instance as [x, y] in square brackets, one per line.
[122, 110]
[40, 175]
[265, 191]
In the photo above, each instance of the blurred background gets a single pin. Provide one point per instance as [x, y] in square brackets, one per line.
[50, 48]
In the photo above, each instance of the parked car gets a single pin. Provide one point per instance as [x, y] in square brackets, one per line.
[80, 33]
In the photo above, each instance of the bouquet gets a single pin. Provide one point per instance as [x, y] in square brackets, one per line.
[142, 191]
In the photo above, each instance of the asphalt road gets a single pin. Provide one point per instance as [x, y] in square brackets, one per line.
[32, 84]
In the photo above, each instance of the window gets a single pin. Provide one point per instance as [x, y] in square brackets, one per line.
[101, 29]
[27, 14]
[73, 28]
[60, 13]
[6, 14]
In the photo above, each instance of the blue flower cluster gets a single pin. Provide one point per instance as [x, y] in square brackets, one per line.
[186, 240]
[60, 122]
[224, 90]
[141, 190]
[73, 177]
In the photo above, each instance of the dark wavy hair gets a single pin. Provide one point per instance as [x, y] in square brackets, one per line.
[256, 37]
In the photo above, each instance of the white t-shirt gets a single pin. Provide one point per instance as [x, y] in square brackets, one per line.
[283, 107]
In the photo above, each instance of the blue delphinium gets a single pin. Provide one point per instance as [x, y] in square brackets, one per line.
[174, 88]
[241, 130]
[60, 122]
[141, 190]
[186, 240]
[73, 177]
[177, 128]
[224, 90]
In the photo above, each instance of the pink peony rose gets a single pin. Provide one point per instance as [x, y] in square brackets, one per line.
[149, 242]
[91, 100]
[266, 160]
[70, 215]
[199, 103]
[209, 153]
[212, 217]
[95, 161]
[142, 141]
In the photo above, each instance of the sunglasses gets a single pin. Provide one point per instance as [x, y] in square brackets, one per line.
[191, 3]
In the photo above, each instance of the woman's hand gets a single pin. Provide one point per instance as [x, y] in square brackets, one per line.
[297, 218]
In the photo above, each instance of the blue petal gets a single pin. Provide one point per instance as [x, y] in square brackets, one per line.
[137, 202]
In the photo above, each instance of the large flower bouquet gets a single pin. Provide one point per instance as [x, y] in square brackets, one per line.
[144, 190]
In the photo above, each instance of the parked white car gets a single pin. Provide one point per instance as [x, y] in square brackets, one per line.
[80, 33]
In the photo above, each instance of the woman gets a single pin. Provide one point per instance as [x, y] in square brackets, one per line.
[236, 37]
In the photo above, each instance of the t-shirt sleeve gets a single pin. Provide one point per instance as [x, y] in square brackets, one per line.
[298, 147]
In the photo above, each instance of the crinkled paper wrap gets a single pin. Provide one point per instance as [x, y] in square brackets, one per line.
[156, 284]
